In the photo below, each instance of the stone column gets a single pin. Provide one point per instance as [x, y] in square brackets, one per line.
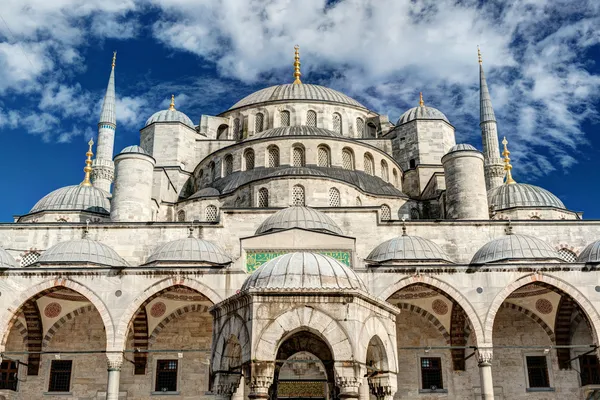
[484, 358]
[114, 363]
[239, 392]
[365, 393]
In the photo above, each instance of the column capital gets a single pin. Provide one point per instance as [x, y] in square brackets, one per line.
[114, 361]
[383, 386]
[485, 355]
[348, 386]
[259, 376]
[225, 384]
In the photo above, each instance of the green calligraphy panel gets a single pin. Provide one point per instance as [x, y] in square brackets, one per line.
[255, 259]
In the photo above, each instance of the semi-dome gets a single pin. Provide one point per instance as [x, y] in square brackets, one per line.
[522, 195]
[6, 260]
[82, 251]
[462, 147]
[408, 248]
[189, 250]
[75, 198]
[292, 91]
[515, 248]
[591, 254]
[298, 130]
[170, 115]
[133, 149]
[299, 217]
[303, 271]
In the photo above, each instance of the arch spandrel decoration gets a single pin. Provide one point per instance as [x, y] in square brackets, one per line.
[374, 327]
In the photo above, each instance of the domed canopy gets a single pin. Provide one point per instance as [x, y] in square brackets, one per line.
[292, 91]
[299, 130]
[591, 254]
[134, 149]
[408, 248]
[522, 195]
[189, 250]
[6, 260]
[82, 251]
[423, 113]
[170, 116]
[462, 147]
[299, 217]
[75, 198]
[515, 248]
[303, 271]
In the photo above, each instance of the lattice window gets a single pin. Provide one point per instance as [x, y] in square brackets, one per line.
[259, 122]
[180, 216]
[228, 165]
[431, 373]
[298, 159]
[386, 213]
[395, 173]
[284, 118]
[298, 198]
[590, 370]
[60, 376]
[249, 159]
[360, 127]
[237, 129]
[347, 159]
[384, 171]
[358, 201]
[334, 197]
[337, 122]
[324, 159]
[9, 371]
[211, 213]
[567, 255]
[311, 118]
[166, 376]
[537, 371]
[29, 258]
[263, 198]
[273, 156]
[369, 165]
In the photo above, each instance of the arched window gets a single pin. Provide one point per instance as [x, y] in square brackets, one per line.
[180, 216]
[412, 163]
[567, 255]
[358, 201]
[334, 197]
[237, 129]
[273, 156]
[311, 118]
[29, 258]
[386, 212]
[222, 132]
[227, 165]
[348, 159]
[284, 118]
[395, 173]
[263, 198]
[249, 159]
[259, 121]
[384, 171]
[298, 198]
[337, 122]
[298, 159]
[369, 164]
[211, 213]
[372, 130]
[360, 127]
[323, 156]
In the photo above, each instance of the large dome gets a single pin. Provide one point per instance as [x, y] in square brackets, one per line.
[82, 251]
[515, 248]
[292, 91]
[303, 271]
[75, 198]
[522, 195]
[591, 254]
[6, 260]
[422, 113]
[299, 217]
[299, 130]
[189, 250]
[408, 248]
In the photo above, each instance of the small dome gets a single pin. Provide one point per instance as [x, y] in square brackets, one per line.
[189, 250]
[423, 113]
[170, 116]
[408, 248]
[6, 260]
[75, 198]
[591, 254]
[298, 130]
[303, 271]
[82, 251]
[461, 147]
[522, 195]
[515, 248]
[299, 217]
[133, 149]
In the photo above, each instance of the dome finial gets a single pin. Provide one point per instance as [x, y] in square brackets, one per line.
[297, 73]
[421, 102]
[172, 105]
[114, 61]
[479, 55]
[507, 166]
[88, 165]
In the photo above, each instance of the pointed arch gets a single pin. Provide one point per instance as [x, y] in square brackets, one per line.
[374, 327]
[533, 316]
[63, 321]
[173, 316]
[233, 325]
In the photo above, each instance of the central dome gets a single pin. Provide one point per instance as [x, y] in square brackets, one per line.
[298, 130]
[292, 91]
[299, 217]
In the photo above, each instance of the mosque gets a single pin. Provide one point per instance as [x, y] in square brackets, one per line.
[299, 246]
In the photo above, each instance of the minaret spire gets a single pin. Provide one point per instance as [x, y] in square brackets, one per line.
[297, 73]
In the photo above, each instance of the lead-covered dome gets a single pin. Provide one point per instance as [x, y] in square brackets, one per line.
[461, 147]
[515, 248]
[134, 149]
[522, 195]
[6, 260]
[75, 198]
[303, 271]
[170, 115]
[189, 250]
[81, 251]
[300, 91]
[408, 248]
[591, 253]
[298, 130]
[299, 217]
[421, 112]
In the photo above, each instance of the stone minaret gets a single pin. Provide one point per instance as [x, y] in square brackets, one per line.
[103, 167]
[493, 167]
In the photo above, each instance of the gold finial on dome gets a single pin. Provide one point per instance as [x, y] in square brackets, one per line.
[479, 55]
[114, 58]
[172, 105]
[297, 73]
[421, 102]
[507, 166]
[88, 165]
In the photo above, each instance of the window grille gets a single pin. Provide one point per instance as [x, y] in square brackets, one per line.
[590, 370]
[284, 118]
[180, 216]
[228, 168]
[347, 159]
[211, 213]
[334, 197]
[166, 376]
[369, 167]
[360, 127]
[273, 157]
[298, 157]
[259, 121]
[30, 258]
[237, 131]
[358, 201]
[337, 123]
[298, 196]
[323, 157]
[9, 371]
[263, 198]
[311, 118]
[567, 255]
[386, 213]
[249, 156]
[431, 373]
[60, 375]
[395, 173]
[384, 171]
[537, 371]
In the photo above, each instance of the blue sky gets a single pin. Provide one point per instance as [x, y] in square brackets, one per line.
[541, 59]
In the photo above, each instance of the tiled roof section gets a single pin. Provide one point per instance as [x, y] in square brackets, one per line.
[303, 271]
[515, 248]
[82, 251]
[6, 260]
[299, 217]
[486, 111]
[75, 198]
[423, 113]
[301, 91]
[297, 130]
[462, 147]
[170, 116]
[591, 254]
[412, 248]
[190, 250]
[108, 113]
[522, 195]
[133, 149]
